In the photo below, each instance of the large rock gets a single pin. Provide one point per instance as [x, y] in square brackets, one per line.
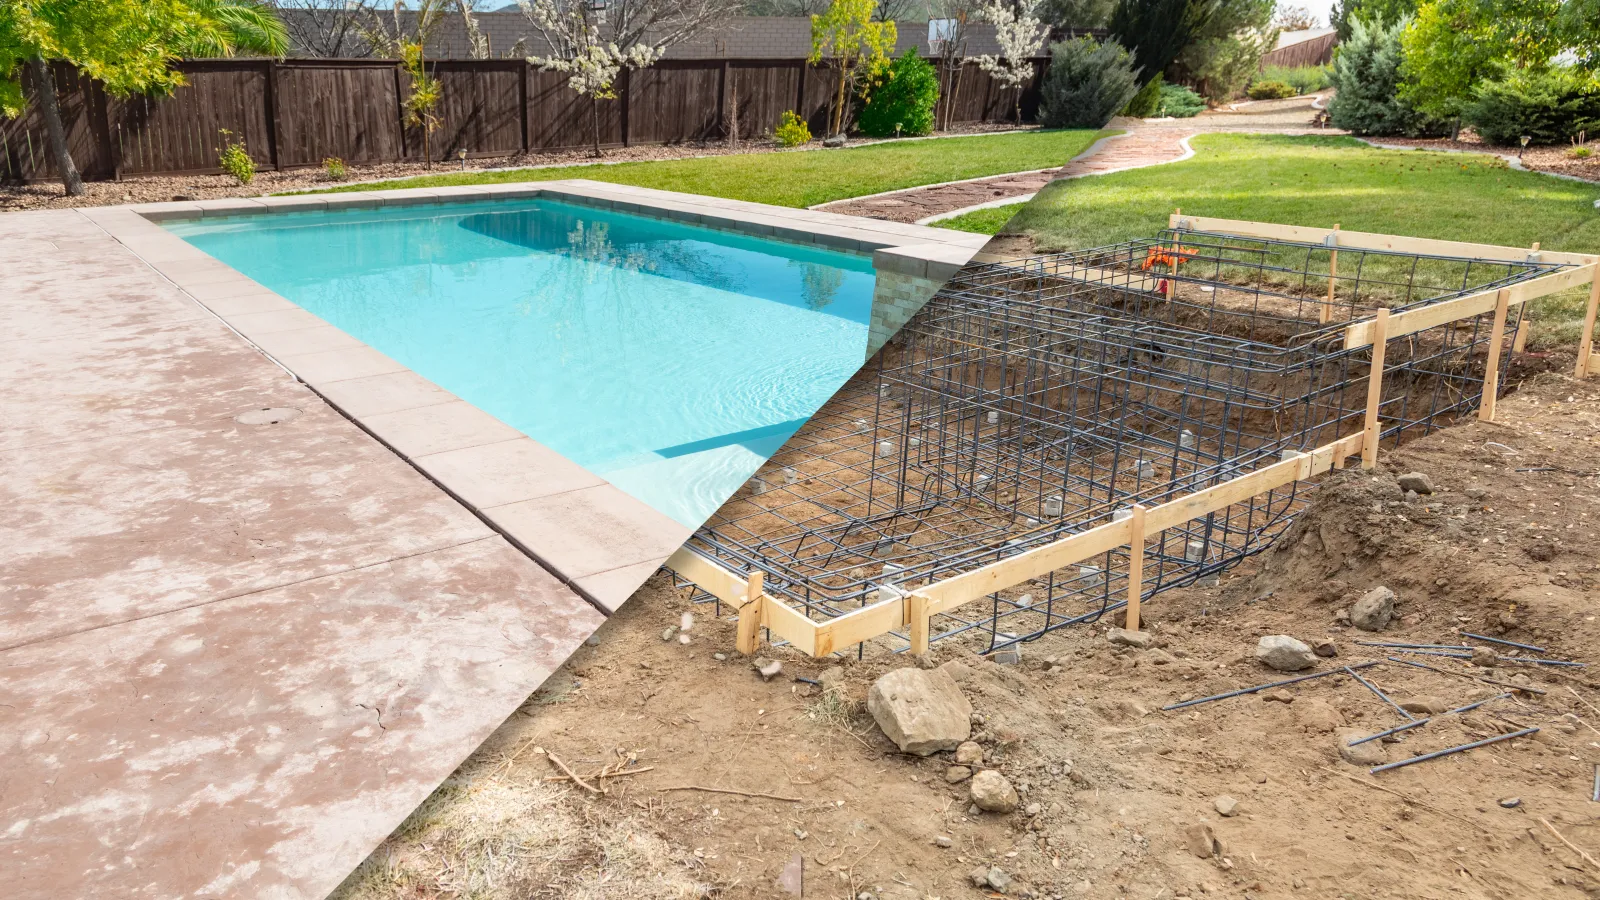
[1284, 653]
[1374, 610]
[922, 711]
[1415, 481]
[1122, 637]
[991, 792]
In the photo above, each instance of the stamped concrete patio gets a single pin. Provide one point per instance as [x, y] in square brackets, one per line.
[242, 636]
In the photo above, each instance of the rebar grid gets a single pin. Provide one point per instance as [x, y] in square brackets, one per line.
[1033, 400]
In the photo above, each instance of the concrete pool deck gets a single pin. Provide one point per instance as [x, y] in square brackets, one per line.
[241, 638]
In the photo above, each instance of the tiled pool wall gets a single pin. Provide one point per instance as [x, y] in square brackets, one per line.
[601, 541]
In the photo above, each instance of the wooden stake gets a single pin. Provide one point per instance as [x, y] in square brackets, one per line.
[1586, 342]
[1380, 341]
[1524, 321]
[750, 616]
[1172, 221]
[917, 612]
[1135, 566]
[1326, 314]
[1491, 374]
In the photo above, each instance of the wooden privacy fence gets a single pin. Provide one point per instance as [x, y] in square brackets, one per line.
[296, 113]
[914, 609]
[1316, 52]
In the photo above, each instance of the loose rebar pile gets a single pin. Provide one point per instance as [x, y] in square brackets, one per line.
[1036, 399]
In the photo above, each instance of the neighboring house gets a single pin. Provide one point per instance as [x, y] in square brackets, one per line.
[742, 37]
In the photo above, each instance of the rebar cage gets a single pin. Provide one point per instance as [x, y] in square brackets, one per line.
[1035, 399]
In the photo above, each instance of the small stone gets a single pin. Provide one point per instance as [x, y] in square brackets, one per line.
[1415, 481]
[979, 877]
[592, 640]
[1325, 649]
[1374, 611]
[1341, 617]
[1227, 807]
[991, 792]
[1007, 656]
[1370, 753]
[669, 632]
[1202, 841]
[866, 895]
[720, 657]
[767, 667]
[944, 841]
[1122, 637]
[1284, 653]
[1483, 656]
[837, 140]
[1317, 716]
[1033, 809]
[957, 774]
[969, 754]
[999, 880]
[1277, 695]
[1476, 493]
[1510, 802]
[1426, 706]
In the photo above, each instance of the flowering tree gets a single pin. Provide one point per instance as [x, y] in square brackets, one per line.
[860, 46]
[594, 42]
[1020, 35]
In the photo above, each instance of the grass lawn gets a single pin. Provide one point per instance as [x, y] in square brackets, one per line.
[806, 178]
[1320, 181]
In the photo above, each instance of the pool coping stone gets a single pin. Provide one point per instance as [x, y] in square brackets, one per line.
[596, 538]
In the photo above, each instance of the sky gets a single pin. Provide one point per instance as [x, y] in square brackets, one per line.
[1318, 8]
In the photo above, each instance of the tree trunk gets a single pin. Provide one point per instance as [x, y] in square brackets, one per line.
[733, 108]
[838, 103]
[594, 121]
[45, 86]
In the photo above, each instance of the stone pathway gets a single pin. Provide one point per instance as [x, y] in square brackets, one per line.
[1144, 143]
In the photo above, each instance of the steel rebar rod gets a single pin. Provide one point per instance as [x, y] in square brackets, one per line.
[1464, 747]
[1420, 722]
[1492, 640]
[1381, 695]
[1262, 687]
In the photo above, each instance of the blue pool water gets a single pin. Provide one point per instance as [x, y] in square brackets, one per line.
[670, 359]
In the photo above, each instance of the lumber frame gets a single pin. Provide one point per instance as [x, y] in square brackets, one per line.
[915, 609]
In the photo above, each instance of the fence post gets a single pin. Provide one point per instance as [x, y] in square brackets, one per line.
[1135, 566]
[1524, 321]
[274, 115]
[1588, 322]
[749, 628]
[622, 115]
[522, 90]
[1380, 343]
[1491, 372]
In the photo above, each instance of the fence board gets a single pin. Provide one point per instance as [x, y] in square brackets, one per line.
[296, 113]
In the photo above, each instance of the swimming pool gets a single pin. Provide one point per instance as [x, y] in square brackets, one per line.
[668, 358]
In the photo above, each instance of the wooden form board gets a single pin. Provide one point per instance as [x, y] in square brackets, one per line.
[1413, 321]
[1362, 240]
[917, 607]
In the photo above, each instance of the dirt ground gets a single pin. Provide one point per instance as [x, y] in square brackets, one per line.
[1112, 786]
[210, 187]
[1556, 159]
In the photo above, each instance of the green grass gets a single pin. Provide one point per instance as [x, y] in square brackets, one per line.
[983, 221]
[806, 178]
[1319, 181]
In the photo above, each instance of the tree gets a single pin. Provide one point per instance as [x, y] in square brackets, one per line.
[1452, 46]
[327, 30]
[1366, 74]
[405, 37]
[903, 103]
[1295, 18]
[859, 47]
[1075, 15]
[1156, 31]
[948, 24]
[127, 45]
[1020, 35]
[232, 27]
[477, 41]
[1087, 83]
[1225, 52]
[1345, 12]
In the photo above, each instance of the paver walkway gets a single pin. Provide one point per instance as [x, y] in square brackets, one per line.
[1143, 143]
[237, 647]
